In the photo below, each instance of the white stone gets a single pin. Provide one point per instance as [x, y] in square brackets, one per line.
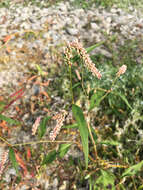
[94, 26]
[72, 31]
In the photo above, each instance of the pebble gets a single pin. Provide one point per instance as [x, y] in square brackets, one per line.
[8, 176]
[72, 31]
[64, 186]
[94, 26]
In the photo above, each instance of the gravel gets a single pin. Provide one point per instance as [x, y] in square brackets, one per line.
[60, 24]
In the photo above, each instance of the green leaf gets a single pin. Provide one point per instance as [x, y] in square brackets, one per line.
[108, 142]
[93, 134]
[63, 149]
[39, 69]
[13, 159]
[9, 120]
[140, 187]
[89, 49]
[83, 129]
[77, 84]
[124, 99]
[106, 179]
[74, 125]
[49, 158]
[133, 170]
[2, 105]
[42, 128]
[121, 187]
[96, 99]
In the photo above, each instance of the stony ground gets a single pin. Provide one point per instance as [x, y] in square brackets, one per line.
[53, 27]
[31, 36]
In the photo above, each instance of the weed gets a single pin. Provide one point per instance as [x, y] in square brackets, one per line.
[102, 122]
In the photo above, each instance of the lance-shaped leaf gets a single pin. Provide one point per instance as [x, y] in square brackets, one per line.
[63, 149]
[89, 49]
[106, 179]
[96, 99]
[83, 129]
[9, 120]
[124, 99]
[133, 170]
[13, 159]
[50, 157]
[43, 126]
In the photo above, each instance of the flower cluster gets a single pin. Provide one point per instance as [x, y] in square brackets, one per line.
[3, 160]
[35, 125]
[68, 54]
[122, 70]
[59, 119]
[84, 55]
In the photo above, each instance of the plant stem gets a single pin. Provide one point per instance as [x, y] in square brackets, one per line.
[70, 72]
[82, 81]
[6, 142]
[38, 142]
[88, 125]
[108, 91]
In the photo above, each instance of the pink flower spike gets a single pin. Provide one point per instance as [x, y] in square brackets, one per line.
[60, 119]
[3, 160]
[36, 124]
[122, 70]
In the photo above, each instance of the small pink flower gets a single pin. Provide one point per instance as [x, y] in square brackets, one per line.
[36, 124]
[3, 160]
[84, 56]
[60, 119]
[122, 70]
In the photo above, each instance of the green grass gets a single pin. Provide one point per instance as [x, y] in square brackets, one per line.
[85, 4]
[108, 3]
